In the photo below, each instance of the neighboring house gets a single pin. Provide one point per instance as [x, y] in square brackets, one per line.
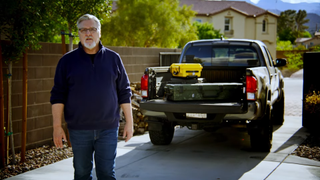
[238, 19]
[309, 42]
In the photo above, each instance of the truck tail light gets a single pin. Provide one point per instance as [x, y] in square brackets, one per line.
[251, 87]
[144, 85]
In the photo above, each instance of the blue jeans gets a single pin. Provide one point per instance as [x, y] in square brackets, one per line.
[102, 144]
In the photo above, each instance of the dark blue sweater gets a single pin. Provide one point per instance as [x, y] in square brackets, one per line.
[90, 92]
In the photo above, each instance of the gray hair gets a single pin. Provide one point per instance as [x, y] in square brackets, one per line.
[89, 17]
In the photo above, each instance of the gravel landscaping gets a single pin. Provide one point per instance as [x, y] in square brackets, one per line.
[36, 158]
[310, 148]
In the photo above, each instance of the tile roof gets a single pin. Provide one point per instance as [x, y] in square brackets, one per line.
[203, 7]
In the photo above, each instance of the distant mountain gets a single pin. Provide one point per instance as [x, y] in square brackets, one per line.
[314, 22]
[276, 11]
[278, 5]
[282, 6]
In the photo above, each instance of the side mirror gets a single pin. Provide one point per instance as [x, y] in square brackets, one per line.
[280, 62]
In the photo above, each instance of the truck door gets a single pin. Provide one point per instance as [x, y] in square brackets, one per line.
[274, 79]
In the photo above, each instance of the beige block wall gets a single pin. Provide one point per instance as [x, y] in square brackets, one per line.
[41, 69]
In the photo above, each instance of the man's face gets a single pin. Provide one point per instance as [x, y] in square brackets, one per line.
[89, 34]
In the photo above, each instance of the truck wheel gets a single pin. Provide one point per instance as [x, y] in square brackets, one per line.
[163, 136]
[260, 132]
[278, 111]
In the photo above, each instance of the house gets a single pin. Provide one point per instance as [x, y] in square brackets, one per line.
[309, 42]
[238, 19]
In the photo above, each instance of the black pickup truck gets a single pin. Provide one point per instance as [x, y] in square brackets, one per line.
[243, 84]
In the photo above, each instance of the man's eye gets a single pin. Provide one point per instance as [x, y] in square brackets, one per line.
[91, 30]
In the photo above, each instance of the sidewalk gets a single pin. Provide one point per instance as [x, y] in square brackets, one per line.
[190, 157]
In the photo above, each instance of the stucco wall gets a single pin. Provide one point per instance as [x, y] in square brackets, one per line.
[250, 30]
[270, 36]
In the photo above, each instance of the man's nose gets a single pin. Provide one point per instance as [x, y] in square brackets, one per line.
[88, 31]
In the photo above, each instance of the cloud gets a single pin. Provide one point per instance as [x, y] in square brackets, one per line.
[255, 1]
[298, 1]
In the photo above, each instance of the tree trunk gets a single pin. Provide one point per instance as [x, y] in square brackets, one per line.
[10, 112]
[2, 137]
[24, 107]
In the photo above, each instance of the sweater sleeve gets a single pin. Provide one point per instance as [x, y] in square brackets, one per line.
[123, 83]
[59, 91]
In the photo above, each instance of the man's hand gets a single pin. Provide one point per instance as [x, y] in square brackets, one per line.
[128, 131]
[58, 132]
[128, 128]
[58, 135]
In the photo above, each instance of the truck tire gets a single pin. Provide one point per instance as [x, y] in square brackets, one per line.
[278, 111]
[261, 132]
[163, 136]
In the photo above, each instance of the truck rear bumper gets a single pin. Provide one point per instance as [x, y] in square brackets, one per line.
[166, 109]
[191, 107]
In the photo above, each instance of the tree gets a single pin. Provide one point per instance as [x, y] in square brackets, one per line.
[65, 13]
[286, 20]
[300, 21]
[149, 23]
[286, 35]
[21, 22]
[291, 25]
[206, 31]
[306, 34]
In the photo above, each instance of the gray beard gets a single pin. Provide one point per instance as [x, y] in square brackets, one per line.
[90, 46]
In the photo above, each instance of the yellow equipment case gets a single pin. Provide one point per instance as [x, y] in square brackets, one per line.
[186, 70]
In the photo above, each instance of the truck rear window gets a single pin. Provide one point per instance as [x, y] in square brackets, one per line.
[222, 56]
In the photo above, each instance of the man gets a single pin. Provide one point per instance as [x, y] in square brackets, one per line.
[89, 86]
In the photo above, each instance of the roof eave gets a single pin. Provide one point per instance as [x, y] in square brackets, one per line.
[222, 10]
[267, 12]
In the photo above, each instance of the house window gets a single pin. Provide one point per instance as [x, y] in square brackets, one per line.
[227, 24]
[264, 26]
[199, 20]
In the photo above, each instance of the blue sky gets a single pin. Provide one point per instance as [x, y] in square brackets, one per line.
[291, 1]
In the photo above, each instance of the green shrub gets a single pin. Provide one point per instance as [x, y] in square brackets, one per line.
[315, 48]
[294, 61]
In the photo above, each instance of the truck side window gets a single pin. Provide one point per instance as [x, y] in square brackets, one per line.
[267, 56]
[270, 57]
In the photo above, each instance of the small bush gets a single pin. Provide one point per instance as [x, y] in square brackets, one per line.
[294, 61]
